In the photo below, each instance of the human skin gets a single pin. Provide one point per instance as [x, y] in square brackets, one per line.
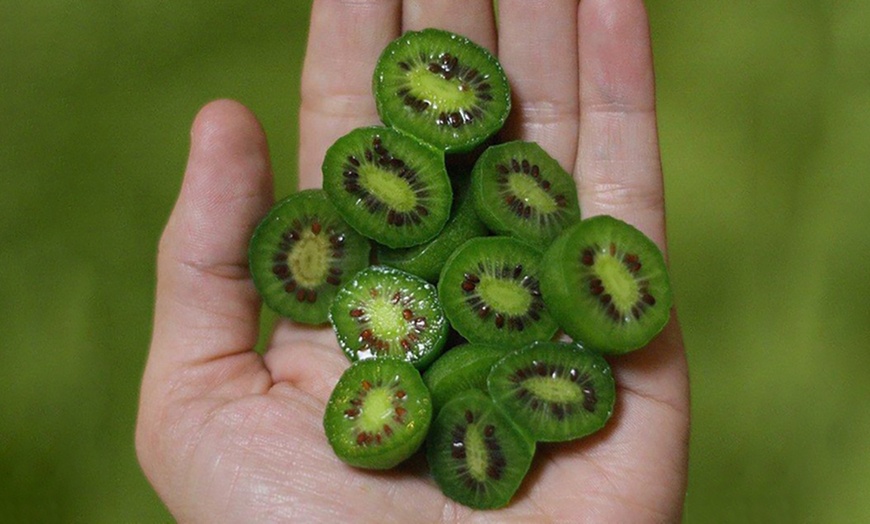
[227, 435]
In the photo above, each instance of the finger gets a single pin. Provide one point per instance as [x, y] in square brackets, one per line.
[473, 19]
[618, 161]
[620, 174]
[311, 365]
[206, 306]
[344, 43]
[544, 83]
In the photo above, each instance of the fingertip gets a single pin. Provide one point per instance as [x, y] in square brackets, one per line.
[615, 53]
[227, 130]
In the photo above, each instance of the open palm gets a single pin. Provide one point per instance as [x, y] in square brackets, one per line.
[226, 435]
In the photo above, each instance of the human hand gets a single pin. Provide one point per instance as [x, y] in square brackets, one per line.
[227, 435]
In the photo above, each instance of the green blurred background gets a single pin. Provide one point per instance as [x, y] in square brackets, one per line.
[765, 130]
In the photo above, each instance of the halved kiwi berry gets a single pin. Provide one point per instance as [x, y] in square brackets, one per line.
[378, 414]
[521, 191]
[463, 367]
[490, 292]
[301, 253]
[478, 457]
[555, 391]
[607, 285]
[442, 88]
[388, 186]
[427, 260]
[385, 312]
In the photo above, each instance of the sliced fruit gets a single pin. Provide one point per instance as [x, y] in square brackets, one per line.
[301, 253]
[463, 367]
[477, 455]
[607, 285]
[378, 414]
[442, 88]
[489, 290]
[388, 186]
[519, 190]
[555, 391]
[385, 312]
[427, 260]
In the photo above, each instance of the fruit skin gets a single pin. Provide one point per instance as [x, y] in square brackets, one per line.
[417, 427]
[267, 237]
[564, 288]
[463, 367]
[501, 218]
[515, 449]
[428, 164]
[447, 141]
[564, 416]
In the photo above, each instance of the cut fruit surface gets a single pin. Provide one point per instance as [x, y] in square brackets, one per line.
[490, 292]
[607, 285]
[442, 88]
[427, 260]
[301, 253]
[555, 391]
[378, 414]
[477, 455]
[385, 312]
[388, 186]
[519, 190]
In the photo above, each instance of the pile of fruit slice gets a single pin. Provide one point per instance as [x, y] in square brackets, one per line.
[398, 254]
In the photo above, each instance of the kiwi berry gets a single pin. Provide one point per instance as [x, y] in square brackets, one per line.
[385, 312]
[378, 414]
[490, 292]
[388, 186]
[442, 88]
[301, 253]
[607, 285]
[463, 367]
[555, 391]
[427, 260]
[477, 456]
[520, 190]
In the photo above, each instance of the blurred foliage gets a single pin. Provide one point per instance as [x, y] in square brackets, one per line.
[766, 147]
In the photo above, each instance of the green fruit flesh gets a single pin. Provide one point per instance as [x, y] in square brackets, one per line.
[555, 391]
[385, 312]
[378, 414]
[461, 368]
[607, 285]
[477, 456]
[490, 292]
[442, 88]
[519, 190]
[300, 254]
[427, 260]
[388, 186]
